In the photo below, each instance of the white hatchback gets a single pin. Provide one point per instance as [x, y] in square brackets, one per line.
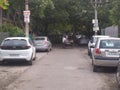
[18, 49]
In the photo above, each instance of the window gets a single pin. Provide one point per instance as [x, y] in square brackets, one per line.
[110, 44]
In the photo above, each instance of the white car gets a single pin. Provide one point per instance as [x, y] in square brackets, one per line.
[93, 41]
[17, 49]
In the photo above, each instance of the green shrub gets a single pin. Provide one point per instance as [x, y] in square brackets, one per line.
[14, 31]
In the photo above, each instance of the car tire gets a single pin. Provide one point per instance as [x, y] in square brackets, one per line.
[88, 53]
[34, 57]
[30, 62]
[1, 62]
[118, 76]
[95, 68]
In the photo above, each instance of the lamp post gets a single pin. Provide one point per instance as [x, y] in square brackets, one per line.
[26, 18]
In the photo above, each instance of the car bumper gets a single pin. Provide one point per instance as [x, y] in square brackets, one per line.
[12, 55]
[41, 48]
[106, 63]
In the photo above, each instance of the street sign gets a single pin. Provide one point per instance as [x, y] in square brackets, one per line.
[95, 28]
[26, 16]
[95, 21]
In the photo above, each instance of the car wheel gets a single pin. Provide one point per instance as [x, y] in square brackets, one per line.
[88, 53]
[95, 68]
[118, 76]
[1, 62]
[34, 57]
[30, 62]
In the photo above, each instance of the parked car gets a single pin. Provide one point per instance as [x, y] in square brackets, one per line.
[81, 39]
[93, 41]
[106, 53]
[18, 49]
[42, 43]
[118, 74]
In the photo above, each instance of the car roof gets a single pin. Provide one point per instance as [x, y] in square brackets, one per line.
[26, 38]
[100, 36]
[41, 37]
[113, 38]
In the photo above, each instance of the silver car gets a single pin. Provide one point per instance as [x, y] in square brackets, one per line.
[106, 53]
[93, 41]
[42, 43]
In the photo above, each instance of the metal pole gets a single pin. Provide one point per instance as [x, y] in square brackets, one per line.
[26, 23]
[96, 23]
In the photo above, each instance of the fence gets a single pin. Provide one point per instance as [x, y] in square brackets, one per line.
[55, 39]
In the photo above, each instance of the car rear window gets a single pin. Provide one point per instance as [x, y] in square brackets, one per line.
[14, 44]
[115, 44]
[39, 38]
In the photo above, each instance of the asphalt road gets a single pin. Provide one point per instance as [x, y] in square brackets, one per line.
[64, 69]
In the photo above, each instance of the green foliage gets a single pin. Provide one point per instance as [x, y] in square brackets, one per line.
[13, 30]
[59, 16]
[57, 28]
[114, 12]
[38, 7]
[4, 4]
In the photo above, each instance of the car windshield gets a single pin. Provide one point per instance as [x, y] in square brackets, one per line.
[15, 42]
[111, 44]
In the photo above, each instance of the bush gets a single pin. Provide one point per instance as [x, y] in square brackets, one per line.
[14, 31]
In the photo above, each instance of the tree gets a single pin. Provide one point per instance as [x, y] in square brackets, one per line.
[4, 4]
[114, 12]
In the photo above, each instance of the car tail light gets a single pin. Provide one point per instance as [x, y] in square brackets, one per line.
[46, 43]
[2, 47]
[97, 51]
[27, 47]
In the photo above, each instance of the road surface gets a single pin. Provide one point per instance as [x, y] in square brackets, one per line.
[64, 69]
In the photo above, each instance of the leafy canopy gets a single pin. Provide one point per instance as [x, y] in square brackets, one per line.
[4, 4]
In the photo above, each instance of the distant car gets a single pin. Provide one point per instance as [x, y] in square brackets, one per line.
[106, 53]
[17, 49]
[42, 43]
[81, 39]
[93, 41]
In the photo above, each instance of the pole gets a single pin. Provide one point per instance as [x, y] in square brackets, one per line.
[96, 19]
[26, 23]
[95, 4]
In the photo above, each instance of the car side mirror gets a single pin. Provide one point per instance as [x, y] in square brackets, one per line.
[91, 41]
[92, 45]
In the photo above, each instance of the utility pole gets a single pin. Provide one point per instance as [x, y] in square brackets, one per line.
[26, 18]
[95, 4]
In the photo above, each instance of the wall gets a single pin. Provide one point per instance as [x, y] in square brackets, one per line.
[111, 31]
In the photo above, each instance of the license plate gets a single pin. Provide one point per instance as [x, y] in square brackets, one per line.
[14, 54]
[112, 54]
